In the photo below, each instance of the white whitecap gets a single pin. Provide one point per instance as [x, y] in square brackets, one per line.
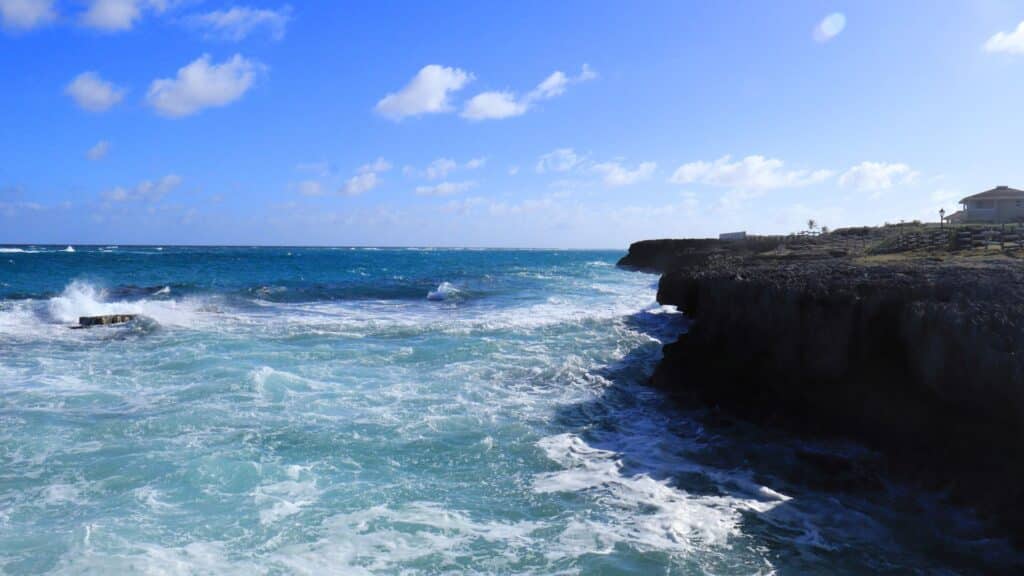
[444, 291]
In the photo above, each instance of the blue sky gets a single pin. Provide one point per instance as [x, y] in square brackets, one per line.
[548, 124]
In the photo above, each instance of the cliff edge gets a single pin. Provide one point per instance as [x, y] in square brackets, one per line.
[916, 354]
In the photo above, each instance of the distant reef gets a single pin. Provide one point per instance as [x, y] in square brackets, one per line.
[917, 354]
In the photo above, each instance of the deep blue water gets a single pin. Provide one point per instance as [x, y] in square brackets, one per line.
[348, 411]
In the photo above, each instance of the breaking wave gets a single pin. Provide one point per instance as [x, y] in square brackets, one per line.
[84, 299]
[444, 291]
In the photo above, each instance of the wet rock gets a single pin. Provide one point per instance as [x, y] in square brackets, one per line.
[104, 320]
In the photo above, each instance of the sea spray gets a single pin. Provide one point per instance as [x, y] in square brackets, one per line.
[82, 298]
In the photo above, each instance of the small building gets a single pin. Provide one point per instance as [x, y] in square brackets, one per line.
[733, 236]
[998, 205]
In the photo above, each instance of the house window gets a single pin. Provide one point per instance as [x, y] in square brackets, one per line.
[983, 204]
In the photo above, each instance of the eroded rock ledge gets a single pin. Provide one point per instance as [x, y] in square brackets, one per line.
[917, 355]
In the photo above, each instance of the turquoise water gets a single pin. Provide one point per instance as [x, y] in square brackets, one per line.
[350, 411]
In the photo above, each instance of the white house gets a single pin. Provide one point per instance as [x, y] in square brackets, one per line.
[1000, 204]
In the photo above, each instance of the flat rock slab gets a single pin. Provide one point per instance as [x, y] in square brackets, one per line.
[104, 320]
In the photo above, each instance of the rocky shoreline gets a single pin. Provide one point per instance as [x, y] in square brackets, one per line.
[916, 355]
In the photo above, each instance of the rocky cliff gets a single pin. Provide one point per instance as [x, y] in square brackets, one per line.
[918, 356]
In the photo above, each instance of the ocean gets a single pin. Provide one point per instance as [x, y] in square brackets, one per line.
[400, 411]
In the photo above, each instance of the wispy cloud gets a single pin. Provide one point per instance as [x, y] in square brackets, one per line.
[440, 168]
[98, 151]
[147, 190]
[310, 188]
[750, 173]
[378, 165]
[359, 184]
[445, 188]
[496, 105]
[559, 160]
[238, 22]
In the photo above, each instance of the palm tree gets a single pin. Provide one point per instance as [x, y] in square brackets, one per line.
[811, 224]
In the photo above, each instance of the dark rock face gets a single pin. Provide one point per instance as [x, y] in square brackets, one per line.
[921, 360]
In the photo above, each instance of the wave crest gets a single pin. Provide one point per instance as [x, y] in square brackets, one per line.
[445, 291]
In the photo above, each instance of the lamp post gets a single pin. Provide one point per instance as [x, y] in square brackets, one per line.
[942, 218]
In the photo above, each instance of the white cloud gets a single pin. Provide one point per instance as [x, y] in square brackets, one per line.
[202, 85]
[98, 151]
[445, 188]
[93, 93]
[112, 15]
[426, 93]
[617, 175]
[378, 165]
[240, 21]
[750, 173]
[560, 160]
[475, 163]
[493, 105]
[1009, 42]
[359, 184]
[513, 170]
[146, 190]
[26, 14]
[310, 188]
[440, 168]
[877, 175]
[496, 105]
[830, 27]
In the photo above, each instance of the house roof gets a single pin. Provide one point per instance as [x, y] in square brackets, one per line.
[997, 193]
